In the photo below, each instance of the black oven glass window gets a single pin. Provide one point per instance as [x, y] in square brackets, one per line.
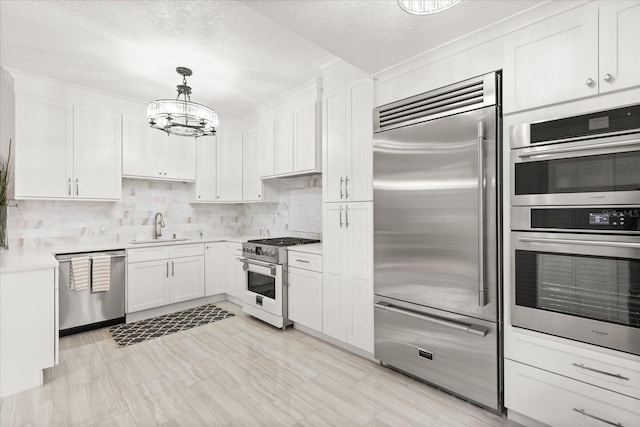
[261, 284]
[602, 173]
[600, 288]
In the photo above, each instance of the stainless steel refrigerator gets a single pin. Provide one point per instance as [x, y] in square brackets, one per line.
[437, 234]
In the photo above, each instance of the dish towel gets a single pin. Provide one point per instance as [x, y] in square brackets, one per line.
[79, 275]
[101, 273]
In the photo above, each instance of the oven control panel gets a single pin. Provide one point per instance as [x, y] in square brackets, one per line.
[587, 219]
[261, 252]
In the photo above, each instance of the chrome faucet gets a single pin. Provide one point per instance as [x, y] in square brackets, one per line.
[158, 223]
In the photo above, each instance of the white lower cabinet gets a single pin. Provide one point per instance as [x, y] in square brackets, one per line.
[234, 273]
[305, 289]
[560, 401]
[214, 268]
[347, 285]
[164, 275]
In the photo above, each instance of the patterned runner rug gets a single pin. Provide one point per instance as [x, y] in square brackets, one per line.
[132, 333]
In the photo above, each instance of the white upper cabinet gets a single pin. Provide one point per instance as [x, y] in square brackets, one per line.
[583, 52]
[619, 45]
[205, 188]
[229, 169]
[289, 136]
[64, 148]
[152, 154]
[251, 183]
[347, 139]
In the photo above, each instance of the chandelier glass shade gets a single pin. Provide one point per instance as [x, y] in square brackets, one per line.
[181, 116]
[426, 7]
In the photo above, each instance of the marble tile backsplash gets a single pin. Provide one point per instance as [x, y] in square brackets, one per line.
[36, 224]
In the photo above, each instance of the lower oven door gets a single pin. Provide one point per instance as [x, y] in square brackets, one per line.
[578, 286]
[263, 286]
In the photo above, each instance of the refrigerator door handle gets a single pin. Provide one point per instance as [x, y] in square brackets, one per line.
[470, 329]
[482, 295]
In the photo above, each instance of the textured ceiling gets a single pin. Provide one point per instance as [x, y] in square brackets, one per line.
[242, 53]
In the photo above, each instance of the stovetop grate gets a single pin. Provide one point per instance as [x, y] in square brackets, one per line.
[284, 241]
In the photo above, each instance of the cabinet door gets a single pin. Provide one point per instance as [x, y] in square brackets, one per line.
[359, 186]
[552, 61]
[44, 147]
[251, 182]
[305, 149]
[206, 168]
[147, 285]
[187, 278]
[359, 272]
[619, 45]
[305, 297]
[334, 151]
[229, 168]
[214, 268]
[267, 147]
[234, 274]
[142, 148]
[97, 154]
[333, 266]
[179, 160]
[283, 144]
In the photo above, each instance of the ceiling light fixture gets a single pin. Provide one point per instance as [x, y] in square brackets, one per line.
[426, 7]
[181, 116]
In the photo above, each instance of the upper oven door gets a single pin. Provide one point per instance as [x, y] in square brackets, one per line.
[578, 286]
[593, 171]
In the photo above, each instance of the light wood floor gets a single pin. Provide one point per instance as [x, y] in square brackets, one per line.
[234, 372]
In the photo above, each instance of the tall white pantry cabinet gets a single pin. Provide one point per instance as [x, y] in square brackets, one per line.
[347, 289]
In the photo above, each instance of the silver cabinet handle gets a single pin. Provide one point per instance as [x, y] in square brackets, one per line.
[607, 77]
[69, 186]
[302, 260]
[581, 148]
[341, 217]
[580, 242]
[482, 294]
[346, 187]
[167, 268]
[471, 329]
[346, 217]
[77, 187]
[581, 366]
[585, 413]
[590, 82]
[173, 269]
[341, 194]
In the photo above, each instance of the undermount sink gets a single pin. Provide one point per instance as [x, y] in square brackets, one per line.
[138, 242]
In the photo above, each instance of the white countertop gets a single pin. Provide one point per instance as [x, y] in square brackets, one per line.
[19, 259]
[311, 248]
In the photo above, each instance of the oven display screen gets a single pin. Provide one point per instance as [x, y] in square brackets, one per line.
[598, 219]
[258, 250]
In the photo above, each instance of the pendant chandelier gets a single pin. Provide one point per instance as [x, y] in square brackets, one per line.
[181, 116]
[426, 7]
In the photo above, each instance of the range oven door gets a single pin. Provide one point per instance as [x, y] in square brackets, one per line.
[579, 286]
[263, 286]
[590, 171]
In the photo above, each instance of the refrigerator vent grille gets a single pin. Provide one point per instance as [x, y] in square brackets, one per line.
[431, 105]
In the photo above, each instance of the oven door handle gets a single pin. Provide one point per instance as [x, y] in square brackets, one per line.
[580, 242]
[470, 329]
[580, 148]
[247, 261]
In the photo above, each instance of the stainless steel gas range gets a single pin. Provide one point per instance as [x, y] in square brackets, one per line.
[265, 265]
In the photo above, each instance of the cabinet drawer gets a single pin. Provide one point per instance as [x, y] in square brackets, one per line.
[179, 251]
[560, 401]
[619, 374]
[306, 261]
[148, 254]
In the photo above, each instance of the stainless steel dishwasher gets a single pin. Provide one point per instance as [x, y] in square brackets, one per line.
[84, 310]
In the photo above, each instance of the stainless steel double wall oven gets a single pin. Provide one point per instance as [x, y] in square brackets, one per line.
[575, 221]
